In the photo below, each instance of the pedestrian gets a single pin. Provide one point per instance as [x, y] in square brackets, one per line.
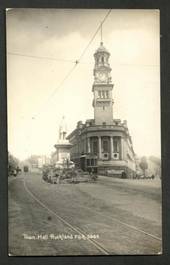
[124, 176]
[153, 176]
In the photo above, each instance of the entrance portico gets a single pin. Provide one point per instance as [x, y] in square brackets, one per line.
[105, 147]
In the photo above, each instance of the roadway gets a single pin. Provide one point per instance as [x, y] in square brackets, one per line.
[109, 217]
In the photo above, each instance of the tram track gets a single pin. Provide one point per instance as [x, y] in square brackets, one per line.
[124, 224]
[132, 227]
[74, 228]
[78, 230]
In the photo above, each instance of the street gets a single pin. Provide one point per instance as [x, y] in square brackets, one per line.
[109, 217]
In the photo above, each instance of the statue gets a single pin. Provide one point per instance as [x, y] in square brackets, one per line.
[62, 129]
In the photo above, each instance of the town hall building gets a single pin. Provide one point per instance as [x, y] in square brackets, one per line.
[103, 144]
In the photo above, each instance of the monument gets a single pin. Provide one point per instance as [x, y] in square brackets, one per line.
[63, 146]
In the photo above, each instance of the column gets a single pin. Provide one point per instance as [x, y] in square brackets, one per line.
[84, 146]
[100, 147]
[111, 147]
[88, 145]
[121, 149]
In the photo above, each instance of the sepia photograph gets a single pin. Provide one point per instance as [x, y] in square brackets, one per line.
[84, 133]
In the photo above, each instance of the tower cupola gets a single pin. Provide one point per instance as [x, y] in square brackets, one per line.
[102, 67]
[102, 87]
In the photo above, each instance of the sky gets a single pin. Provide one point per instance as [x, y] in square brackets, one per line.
[37, 95]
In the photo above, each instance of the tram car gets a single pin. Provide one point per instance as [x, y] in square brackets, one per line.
[25, 169]
[88, 163]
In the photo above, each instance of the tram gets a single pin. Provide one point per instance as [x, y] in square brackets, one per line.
[89, 163]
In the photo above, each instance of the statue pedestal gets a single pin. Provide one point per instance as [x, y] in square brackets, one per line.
[62, 151]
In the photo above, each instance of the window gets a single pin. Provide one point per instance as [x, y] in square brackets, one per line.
[102, 59]
[116, 145]
[88, 162]
[95, 146]
[107, 94]
[99, 94]
[103, 94]
[115, 155]
[105, 146]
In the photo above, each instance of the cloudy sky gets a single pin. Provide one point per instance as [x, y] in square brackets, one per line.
[37, 95]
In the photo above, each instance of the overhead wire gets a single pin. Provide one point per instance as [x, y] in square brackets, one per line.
[76, 62]
[94, 35]
[40, 57]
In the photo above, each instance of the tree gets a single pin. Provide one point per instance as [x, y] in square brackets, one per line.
[143, 165]
[13, 162]
[155, 165]
[155, 160]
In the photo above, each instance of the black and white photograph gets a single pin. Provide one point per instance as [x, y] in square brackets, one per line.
[84, 132]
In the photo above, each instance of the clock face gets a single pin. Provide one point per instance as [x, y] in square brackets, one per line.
[102, 76]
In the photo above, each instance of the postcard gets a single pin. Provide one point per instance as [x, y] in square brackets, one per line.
[84, 148]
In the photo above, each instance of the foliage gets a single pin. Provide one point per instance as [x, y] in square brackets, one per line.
[143, 164]
[13, 162]
[155, 160]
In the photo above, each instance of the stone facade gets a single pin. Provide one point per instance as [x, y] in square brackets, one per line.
[108, 146]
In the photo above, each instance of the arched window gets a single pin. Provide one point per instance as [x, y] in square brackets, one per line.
[94, 146]
[116, 144]
[105, 145]
[102, 59]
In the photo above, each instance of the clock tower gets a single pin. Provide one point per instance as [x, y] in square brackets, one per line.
[102, 88]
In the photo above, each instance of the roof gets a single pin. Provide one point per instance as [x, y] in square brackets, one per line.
[101, 48]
